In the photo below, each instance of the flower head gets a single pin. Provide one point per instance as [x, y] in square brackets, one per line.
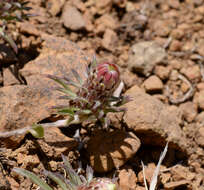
[94, 97]
[109, 74]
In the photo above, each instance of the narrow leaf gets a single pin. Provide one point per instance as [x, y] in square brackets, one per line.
[76, 75]
[57, 180]
[67, 91]
[37, 131]
[156, 171]
[73, 177]
[35, 179]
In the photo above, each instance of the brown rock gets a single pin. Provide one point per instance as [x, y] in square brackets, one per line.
[189, 110]
[104, 157]
[149, 171]
[182, 173]
[104, 22]
[55, 143]
[161, 28]
[162, 72]
[21, 106]
[144, 56]
[110, 39]
[175, 45]
[127, 179]
[58, 57]
[192, 72]
[200, 136]
[200, 99]
[200, 47]
[175, 184]
[177, 33]
[72, 18]
[54, 6]
[28, 28]
[152, 120]
[153, 83]
[9, 77]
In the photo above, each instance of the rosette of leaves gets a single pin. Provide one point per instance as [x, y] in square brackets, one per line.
[12, 10]
[73, 181]
[94, 97]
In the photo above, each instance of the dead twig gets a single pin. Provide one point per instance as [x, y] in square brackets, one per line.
[186, 96]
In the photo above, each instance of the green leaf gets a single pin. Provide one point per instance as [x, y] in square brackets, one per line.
[9, 40]
[37, 131]
[57, 180]
[68, 111]
[35, 179]
[72, 175]
[76, 75]
[67, 91]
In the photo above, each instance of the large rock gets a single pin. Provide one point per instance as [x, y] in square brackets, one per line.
[108, 150]
[57, 58]
[153, 122]
[21, 106]
[144, 56]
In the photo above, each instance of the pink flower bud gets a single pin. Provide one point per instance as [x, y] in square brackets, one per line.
[109, 74]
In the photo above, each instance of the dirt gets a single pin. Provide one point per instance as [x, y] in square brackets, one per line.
[159, 47]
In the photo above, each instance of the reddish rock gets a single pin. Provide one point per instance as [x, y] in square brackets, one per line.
[153, 120]
[127, 179]
[200, 136]
[162, 72]
[103, 157]
[56, 143]
[153, 83]
[54, 6]
[72, 18]
[176, 184]
[21, 106]
[189, 110]
[109, 40]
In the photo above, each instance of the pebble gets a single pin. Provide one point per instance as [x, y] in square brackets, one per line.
[153, 83]
[162, 71]
[144, 56]
[189, 110]
[72, 18]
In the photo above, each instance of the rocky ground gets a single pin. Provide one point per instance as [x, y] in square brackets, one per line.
[159, 47]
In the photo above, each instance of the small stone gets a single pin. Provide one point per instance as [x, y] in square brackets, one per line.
[200, 99]
[161, 28]
[56, 143]
[192, 72]
[110, 39]
[28, 28]
[200, 47]
[103, 157]
[72, 18]
[173, 185]
[189, 110]
[144, 56]
[162, 72]
[175, 45]
[149, 171]
[200, 136]
[153, 83]
[177, 33]
[105, 22]
[54, 6]
[127, 179]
